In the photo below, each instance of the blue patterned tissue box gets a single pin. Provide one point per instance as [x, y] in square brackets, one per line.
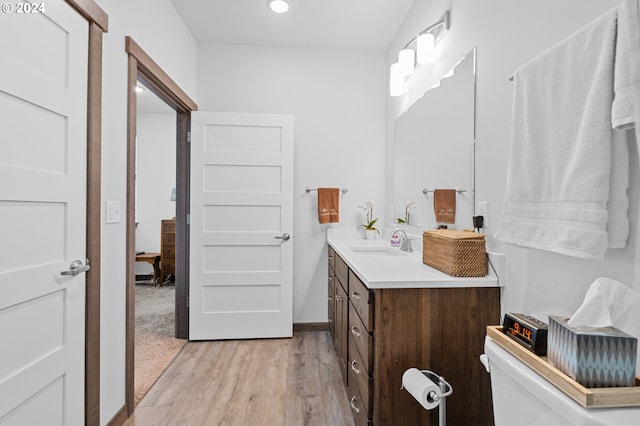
[595, 357]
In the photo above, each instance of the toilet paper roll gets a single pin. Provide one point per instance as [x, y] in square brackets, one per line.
[420, 387]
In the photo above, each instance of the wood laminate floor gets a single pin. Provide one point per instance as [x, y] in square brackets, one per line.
[250, 382]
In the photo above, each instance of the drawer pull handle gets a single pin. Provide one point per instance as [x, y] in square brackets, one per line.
[353, 406]
[353, 367]
[356, 295]
[355, 331]
[330, 298]
[330, 278]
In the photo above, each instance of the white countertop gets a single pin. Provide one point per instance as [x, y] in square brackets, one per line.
[397, 269]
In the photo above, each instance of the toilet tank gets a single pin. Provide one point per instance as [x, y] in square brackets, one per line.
[522, 397]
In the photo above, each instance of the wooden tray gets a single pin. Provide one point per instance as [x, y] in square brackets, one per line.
[587, 397]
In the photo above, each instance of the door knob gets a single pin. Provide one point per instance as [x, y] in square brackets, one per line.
[76, 267]
[284, 236]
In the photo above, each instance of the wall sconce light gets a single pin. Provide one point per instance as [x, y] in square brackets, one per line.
[279, 6]
[396, 80]
[424, 53]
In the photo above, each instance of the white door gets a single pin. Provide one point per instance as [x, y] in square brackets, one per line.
[43, 97]
[241, 277]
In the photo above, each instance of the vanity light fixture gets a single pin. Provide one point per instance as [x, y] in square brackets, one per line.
[424, 44]
[396, 80]
[426, 48]
[279, 6]
[407, 61]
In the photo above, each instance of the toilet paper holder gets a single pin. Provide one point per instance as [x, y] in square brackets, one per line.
[436, 398]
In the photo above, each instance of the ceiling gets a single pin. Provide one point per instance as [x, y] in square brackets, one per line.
[323, 24]
[332, 24]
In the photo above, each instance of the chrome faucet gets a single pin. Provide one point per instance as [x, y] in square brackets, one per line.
[406, 241]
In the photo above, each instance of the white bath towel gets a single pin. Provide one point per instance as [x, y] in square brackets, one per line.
[618, 204]
[560, 158]
[632, 18]
[622, 108]
[622, 121]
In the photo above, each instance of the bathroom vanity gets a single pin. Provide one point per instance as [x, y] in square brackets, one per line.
[389, 312]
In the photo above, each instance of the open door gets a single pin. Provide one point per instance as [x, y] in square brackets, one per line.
[241, 283]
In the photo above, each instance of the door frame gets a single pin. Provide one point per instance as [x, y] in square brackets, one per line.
[98, 21]
[142, 67]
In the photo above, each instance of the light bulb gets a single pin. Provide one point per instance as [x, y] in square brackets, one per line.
[279, 6]
[396, 80]
[407, 61]
[426, 50]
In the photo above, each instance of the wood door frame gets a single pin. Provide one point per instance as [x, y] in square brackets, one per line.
[142, 67]
[98, 25]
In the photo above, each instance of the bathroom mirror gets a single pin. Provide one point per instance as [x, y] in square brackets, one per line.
[434, 148]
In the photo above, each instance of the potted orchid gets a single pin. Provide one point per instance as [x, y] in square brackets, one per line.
[369, 227]
[408, 206]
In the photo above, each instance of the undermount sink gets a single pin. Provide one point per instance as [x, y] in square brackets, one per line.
[384, 251]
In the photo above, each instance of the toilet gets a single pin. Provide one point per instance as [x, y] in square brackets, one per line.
[523, 397]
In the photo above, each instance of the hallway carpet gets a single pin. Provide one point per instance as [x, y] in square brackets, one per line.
[155, 346]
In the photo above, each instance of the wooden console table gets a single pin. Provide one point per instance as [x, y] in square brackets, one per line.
[153, 259]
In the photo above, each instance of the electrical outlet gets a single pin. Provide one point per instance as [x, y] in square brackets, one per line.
[483, 210]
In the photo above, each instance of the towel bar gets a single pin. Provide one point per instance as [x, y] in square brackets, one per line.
[426, 191]
[308, 189]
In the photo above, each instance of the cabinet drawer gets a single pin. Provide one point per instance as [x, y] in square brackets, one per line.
[361, 339]
[331, 256]
[168, 265]
[168, 238]
[342, 272]
[169, 250]
[361, 415]
[169, 226]
[362, 300]
[360, 377]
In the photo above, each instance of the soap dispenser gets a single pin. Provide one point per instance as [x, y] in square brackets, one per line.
[395, 240]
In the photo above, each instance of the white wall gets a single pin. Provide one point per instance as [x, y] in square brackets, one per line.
[156, 178]
[337, 98]
[158, 29]
[507, 34]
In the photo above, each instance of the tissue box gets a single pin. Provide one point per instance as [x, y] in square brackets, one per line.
[595, 357]
[454, 252]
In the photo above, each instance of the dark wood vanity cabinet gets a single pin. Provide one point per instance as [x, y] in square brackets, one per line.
[437, 329]
[339, 307]
[331, 304]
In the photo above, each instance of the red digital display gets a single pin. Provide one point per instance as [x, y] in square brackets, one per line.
[518, 330]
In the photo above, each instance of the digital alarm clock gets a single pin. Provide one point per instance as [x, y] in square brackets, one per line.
[527, 331]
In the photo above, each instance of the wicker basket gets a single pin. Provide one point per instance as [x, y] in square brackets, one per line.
[454, 252]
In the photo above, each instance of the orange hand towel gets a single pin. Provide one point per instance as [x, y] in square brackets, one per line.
[444, 204]
[328, 205]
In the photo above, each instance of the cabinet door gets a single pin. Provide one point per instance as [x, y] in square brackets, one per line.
[331, 308]
[342, 324]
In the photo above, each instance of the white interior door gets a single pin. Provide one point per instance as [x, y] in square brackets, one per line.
[43, 98]
[241, 279]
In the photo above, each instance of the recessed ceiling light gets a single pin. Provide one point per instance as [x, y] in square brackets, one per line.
[279, 6]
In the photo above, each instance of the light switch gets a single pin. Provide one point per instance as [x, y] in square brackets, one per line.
[112, 214]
